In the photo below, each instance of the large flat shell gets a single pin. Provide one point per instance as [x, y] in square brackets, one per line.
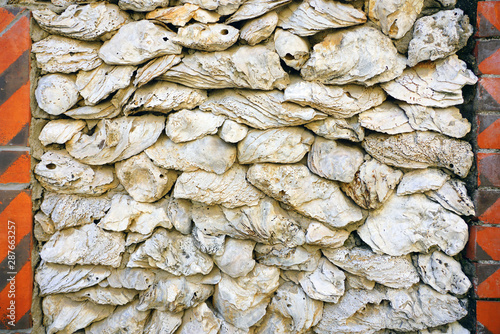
[369, 55]
[137, 42]
[312, 16]
[87, 23]
[116, 139]
[305, 192]
[418, 150]
[254, 67]
[437, 84]
[261, 110]
[66, 55]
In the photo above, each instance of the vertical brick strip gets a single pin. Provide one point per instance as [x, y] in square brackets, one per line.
[484, 242]
[16, 277]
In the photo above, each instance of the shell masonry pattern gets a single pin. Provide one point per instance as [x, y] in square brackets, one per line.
[249, 167]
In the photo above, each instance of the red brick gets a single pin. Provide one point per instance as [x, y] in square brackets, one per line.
[488, 56]
[488, 171]
[15, 117]
[488, 206]
[488, 18]
[488, 94]
[488, 320]
[487, 280]
[484, 243]
[14, 167]
[6, 17]
[488, 131]
[15, 206]
[14, 42]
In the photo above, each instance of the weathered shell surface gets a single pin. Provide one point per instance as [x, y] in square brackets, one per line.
[86, 23]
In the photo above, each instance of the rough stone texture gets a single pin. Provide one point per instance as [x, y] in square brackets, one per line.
[126, 214]
[137, 42]
[387, 118]
[232, 132]
[320, 235]
[164, 97]
[372, 184]
[333, 160]
[419, 150]
[298, 312]
[154, 68]
[338, 128]
[325, 283]
[442, 272]
[222, 224]
[337, 101]
[369, 54]
[96, 85]
[223, 7]
[143, 180]
[104, 296]
[423, 180]
[292, 49]
[324, 201]
[237, 259]
[200, 319]
[63, 315]
[301, 258]
[187, 125]
[421, 224]
[180, 213]
[448, 121]
[194, 155]
[116, 139]
[453, 196]
[254, 67]
[172, 252]
[282, 145]
[130, 278]
[66, 55]
[395, 17]
[173, 294]
[180, 15]
[254, 8]
[243, 301]
[312, 16]
[142, 5]
[163, 322]
[231, 189]
[60, 131]
[261, 110]
[57, 279]
[99, 111]
[87, 244]
[439, 35]
[265, 223]
[257, 30]
[87, 23]
[71, 210]
[56, 93]
[436, 84]
[413, 309]
[59, 172]
[207, 37]
[125, 319]
[391, 271]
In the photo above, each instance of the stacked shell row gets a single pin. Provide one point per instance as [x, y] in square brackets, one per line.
[258, 166]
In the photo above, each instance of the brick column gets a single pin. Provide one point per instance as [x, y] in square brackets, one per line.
[16, 282]
[484, 242]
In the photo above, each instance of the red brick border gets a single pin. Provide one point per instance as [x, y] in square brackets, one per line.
[484, 242]
[16, 277]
